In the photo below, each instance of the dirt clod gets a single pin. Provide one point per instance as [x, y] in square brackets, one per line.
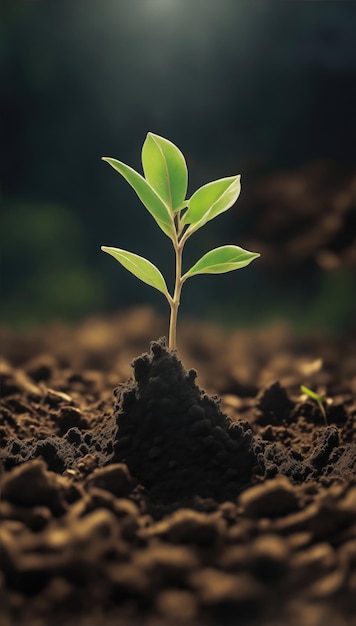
[164, 401]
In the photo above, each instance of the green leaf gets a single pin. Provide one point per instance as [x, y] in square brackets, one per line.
[148, 196]
[165, 169]
[311, 394]
[221, 260]
[140, 267]
[211, 200]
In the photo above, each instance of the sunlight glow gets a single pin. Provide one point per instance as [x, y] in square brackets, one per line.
[161, 5]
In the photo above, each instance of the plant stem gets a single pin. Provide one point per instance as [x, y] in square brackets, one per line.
[174, 304]
[323, 412]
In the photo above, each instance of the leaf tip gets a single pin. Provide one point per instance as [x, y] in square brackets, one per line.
[149, 136]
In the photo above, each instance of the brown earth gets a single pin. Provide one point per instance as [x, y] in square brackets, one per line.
[168, 505]
[305, 216]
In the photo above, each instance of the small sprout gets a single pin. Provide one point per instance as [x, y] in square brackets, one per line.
[163, 190]
[318, 398]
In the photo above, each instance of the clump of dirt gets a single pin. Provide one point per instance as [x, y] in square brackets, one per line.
[174, 437]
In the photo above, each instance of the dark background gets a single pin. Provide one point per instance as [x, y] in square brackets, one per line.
[244, 87]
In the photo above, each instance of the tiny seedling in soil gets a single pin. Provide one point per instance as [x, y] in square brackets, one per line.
[318, 398]
[163, 190]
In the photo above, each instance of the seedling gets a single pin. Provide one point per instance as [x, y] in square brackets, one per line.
[318, 398]
[163, 190]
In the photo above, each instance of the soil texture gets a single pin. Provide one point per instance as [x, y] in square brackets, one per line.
[206, 490]
[306, 216]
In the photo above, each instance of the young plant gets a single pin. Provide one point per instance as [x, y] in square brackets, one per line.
[318, 398]
[163, 190]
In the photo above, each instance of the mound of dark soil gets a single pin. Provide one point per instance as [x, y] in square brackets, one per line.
[176, 506]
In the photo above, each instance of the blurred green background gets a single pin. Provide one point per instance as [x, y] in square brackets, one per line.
[256, 88]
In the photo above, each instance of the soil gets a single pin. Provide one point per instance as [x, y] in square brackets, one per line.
[167, 504]
[306, 216]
